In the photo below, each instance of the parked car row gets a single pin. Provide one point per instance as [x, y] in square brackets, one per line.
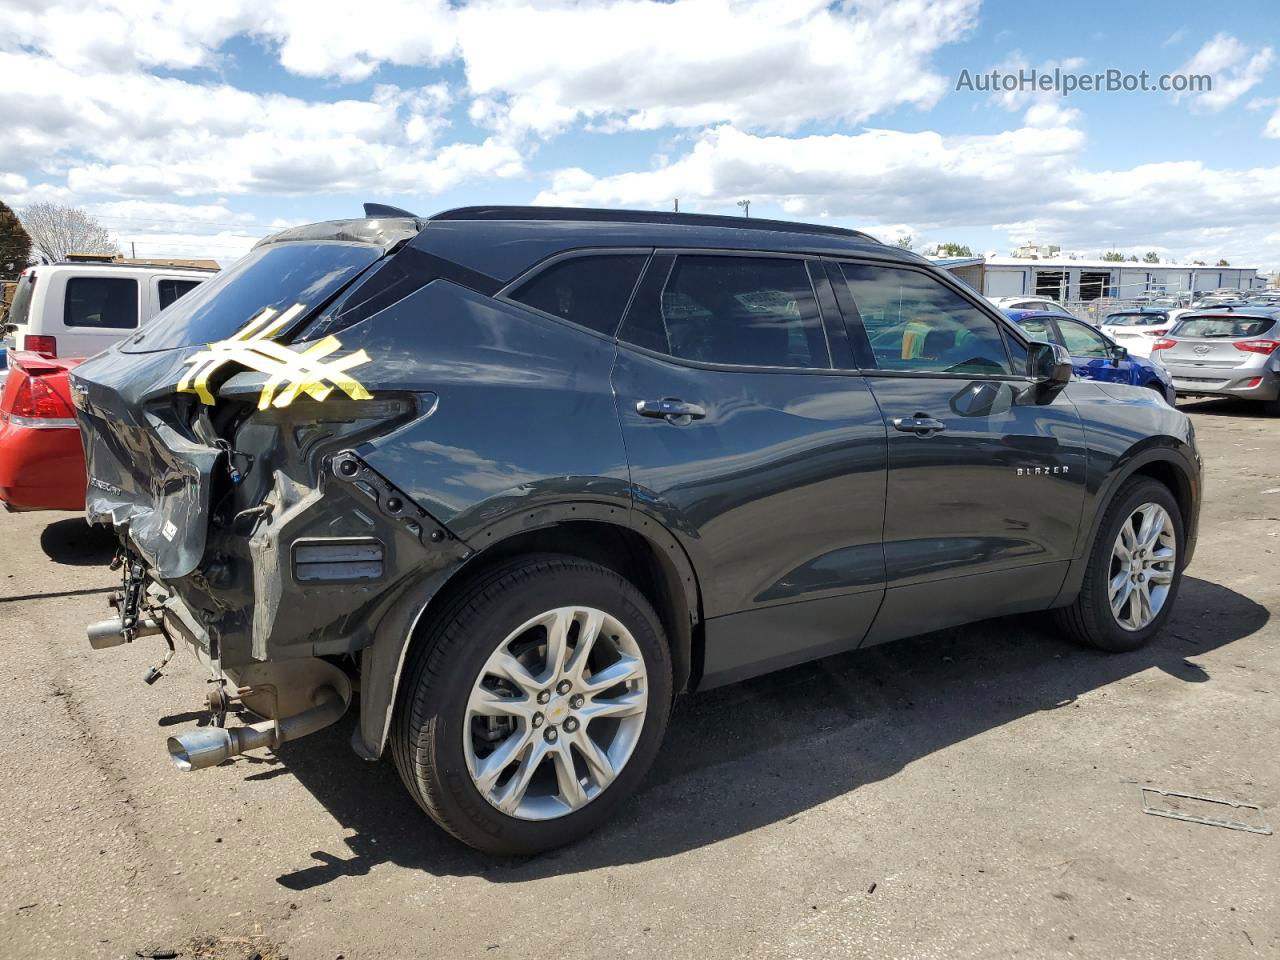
[520, 475]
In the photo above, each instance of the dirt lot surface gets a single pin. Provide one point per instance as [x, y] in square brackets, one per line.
[975, 792]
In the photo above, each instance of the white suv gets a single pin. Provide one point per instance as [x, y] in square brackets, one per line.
[79, 309]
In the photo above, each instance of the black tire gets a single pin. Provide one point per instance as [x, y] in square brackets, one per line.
[444, 662]
[1089, 619]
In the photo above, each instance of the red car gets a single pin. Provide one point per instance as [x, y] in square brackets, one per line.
[41, 459]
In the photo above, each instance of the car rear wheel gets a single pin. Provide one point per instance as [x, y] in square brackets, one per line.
[532, 707]
[1134, 571]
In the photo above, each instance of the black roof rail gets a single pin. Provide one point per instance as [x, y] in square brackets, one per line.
[596, 215]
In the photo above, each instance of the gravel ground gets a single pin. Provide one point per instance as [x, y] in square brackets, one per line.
[975, 792]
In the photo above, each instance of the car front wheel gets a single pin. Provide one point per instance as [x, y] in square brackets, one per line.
[1134, 570]
[531, 708]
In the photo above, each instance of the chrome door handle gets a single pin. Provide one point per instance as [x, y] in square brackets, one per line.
[671, 410]
[920, 425]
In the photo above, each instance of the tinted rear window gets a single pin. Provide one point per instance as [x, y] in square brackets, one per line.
[171, 290]
[591, 291]
[277, 276]
[753, 311]
[101, 303]
[21, 300]
[1222, 327]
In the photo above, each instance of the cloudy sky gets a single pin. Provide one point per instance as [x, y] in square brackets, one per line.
[193, 128]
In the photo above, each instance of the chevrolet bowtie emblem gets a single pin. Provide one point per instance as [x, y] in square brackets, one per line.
[290, 372]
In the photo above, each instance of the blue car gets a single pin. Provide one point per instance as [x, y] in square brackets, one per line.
[1094, 355]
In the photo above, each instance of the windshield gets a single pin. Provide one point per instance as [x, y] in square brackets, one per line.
[1222, 327]
[1135, 319]
[278, 276]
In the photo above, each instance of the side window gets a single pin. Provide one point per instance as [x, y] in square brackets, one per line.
[104, 303]
[753, 311]
[1037, 328]
[171, 290]
[591, 291]
[915, 323]
[1080, 341]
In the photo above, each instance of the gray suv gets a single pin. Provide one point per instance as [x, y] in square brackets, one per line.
[1225, 352]
[501, 482]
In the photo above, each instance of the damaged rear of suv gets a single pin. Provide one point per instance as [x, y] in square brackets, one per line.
[503, 481]
[289, 497]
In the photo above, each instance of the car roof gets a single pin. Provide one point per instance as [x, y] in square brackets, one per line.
[1017, 316]
[1225, 312]
[75, 266]
[504, 241]
[1142, 312]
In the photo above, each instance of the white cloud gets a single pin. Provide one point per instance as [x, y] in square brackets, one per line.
[1014, 64]
[878, 176]
[1234, 69]
[136, 134]
[1272, 129]
[541, 64]
[755, 63]
[1028, 182]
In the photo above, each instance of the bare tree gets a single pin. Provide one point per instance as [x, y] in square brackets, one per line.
[57, 231]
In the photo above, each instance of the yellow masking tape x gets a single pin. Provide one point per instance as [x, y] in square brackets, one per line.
[289, 371]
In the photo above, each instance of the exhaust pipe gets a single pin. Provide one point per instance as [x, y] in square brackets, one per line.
[110, 632]
[210, 746]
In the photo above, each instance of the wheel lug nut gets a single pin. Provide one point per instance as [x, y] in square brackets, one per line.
[544, 696]
[563, 687]
[551, 735]
[576, 701]
[571, 724]
[538, 720]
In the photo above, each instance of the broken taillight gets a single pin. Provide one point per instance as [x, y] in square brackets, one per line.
[1256, 346]
[43, 345]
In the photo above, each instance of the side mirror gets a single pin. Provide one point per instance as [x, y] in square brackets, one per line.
[1048, 364]
[1119, 353]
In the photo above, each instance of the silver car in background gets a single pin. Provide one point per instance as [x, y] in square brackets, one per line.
[1225, 352]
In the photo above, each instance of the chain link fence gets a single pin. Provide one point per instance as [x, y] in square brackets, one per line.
[1095, 311]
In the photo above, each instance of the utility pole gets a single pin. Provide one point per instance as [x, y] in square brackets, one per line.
[133, 250]
[677, 205]
[746, 207]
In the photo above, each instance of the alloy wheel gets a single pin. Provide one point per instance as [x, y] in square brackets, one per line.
[1143, 562]
[555, 713]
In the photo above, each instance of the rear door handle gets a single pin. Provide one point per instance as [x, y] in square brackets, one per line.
[920, 425]
[670, 409]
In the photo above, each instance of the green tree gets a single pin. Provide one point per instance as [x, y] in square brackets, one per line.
[1197, 263]
[904, 241]
[952, 250]
[15, 245]
[1222, 263]
[1113, 256]
[1132, 258]
[1151, 257]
